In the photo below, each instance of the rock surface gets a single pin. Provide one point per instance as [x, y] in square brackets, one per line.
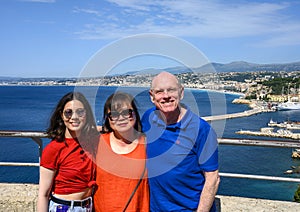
[23, 197]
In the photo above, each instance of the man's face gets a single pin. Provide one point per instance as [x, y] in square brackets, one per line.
[166, 93]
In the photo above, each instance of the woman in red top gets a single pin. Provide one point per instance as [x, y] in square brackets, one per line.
[121, 179]
[66, 166]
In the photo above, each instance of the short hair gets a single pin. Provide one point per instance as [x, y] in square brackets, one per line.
[115, 102]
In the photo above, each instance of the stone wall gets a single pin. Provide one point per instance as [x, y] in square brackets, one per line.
[23, 197]
[18, 197]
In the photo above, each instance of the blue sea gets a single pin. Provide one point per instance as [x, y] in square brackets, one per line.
[28, 108]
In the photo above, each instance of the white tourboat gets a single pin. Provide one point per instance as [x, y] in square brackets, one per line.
[289, 106]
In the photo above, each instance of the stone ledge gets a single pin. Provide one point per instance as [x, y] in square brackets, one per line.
[18, 197]
[232, 203]
[23, 197]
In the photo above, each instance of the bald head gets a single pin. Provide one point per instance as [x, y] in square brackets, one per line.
[164, 77]
[166, 93]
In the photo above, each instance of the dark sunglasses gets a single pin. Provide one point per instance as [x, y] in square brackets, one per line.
[68, 113]
[114, 115]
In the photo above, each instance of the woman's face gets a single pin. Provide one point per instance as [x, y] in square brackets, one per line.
[123, 119]
[74, 117]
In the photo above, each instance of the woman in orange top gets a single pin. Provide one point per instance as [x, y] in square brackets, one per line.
[121, 175]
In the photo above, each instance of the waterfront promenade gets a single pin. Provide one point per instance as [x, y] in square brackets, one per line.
[23, 197]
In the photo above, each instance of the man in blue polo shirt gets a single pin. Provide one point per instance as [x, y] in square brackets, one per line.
[182, 151]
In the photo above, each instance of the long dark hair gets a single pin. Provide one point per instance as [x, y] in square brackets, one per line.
[57, 128]
[115, 102]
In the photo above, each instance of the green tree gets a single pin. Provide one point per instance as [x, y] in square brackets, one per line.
[297, 195]
[278, 84]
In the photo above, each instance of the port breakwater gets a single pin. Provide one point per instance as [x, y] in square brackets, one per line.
[290, 135]
[245, 113]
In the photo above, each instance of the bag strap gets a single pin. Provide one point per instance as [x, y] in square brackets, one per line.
[137, 185]
[134, 190]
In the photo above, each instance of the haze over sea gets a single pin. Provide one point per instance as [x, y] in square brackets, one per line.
[28, 108]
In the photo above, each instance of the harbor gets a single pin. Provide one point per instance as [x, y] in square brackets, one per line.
[285, 128]
[284, 131]
[290, 125]
[268, 132]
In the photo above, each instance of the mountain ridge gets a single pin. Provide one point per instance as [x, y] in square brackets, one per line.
[235, 66]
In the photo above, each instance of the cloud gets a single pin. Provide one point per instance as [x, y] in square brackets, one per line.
[40, 1]
[286, 39]
[88, 11]
[193, 18]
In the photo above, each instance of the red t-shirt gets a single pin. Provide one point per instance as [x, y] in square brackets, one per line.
[117, 176]
[73, 166]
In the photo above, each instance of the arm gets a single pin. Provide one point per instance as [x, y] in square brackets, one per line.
[99, 128]
[209, 191]
[46, 179]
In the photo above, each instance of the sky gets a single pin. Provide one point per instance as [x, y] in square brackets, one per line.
[59, 38]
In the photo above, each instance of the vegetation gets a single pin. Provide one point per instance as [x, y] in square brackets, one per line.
[251, 96]
[297, 195]
[239, 77]
[283, 85]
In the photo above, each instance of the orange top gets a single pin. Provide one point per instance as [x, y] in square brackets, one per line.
[117, 176]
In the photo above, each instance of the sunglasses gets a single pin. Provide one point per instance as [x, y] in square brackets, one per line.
[68, 113]
[114, 115]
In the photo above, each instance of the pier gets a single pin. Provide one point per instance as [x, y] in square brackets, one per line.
[287, 124]
[283, 134]
[251, 112]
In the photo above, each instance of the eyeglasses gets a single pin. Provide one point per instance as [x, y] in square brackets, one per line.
[114, 115]
[68, 113]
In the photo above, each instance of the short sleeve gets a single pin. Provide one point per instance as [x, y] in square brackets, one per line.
[208, 155]
[50, 155]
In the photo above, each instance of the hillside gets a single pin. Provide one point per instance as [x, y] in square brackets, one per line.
[238, 66]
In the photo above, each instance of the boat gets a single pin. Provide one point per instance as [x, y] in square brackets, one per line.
[290, 125]
[296, 153]
[289, 105]
[292, 103]
[272, 123]
[295, 169]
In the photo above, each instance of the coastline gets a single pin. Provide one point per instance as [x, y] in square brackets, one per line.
[126, 85]
[219, 91]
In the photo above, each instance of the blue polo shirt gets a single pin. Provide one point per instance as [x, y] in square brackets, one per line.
[177, 156]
